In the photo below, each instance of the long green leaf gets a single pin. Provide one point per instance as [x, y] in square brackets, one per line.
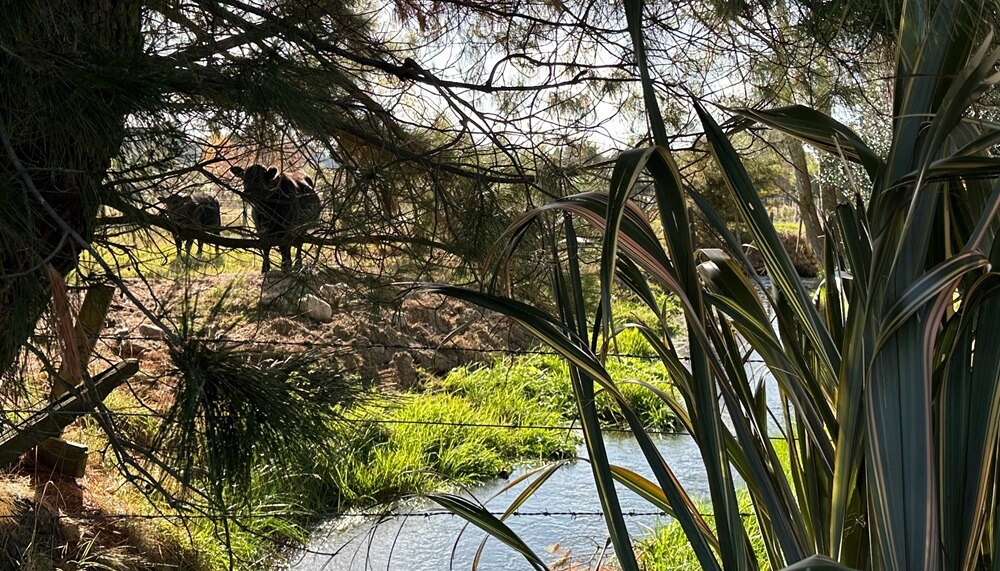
[817, 563]
[542, 475]
[820, 130]
[486, 521]
[778, 262]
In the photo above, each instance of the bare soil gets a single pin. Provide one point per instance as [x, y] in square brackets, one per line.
[388, 340]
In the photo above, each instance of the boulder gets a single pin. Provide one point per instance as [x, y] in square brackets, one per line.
[315, 308]
[131, 350]
[278, 291]
[150, 331]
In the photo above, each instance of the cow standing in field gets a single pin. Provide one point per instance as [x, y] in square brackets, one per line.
[192, 215]
[282, 204]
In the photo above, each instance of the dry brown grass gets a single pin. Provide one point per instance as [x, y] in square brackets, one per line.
[49, 522]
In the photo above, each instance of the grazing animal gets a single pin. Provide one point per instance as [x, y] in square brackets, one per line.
[283, 204]
[192, 214]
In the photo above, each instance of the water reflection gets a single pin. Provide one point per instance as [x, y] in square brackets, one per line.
[433, 543]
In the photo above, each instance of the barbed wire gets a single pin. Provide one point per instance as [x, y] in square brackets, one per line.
[659, 432]
[401, 346]
[333, 515]
[362, 514]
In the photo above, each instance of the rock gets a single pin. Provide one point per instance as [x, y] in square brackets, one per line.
[150, 331]
[131, 350]
[316, 308]
[334, 294]
[278, 291]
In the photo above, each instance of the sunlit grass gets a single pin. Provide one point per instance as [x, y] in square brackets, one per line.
[154, 256]
[515, 386]
[667, 548]
[402, 445]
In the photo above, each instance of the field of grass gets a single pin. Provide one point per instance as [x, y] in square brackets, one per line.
[153, 256]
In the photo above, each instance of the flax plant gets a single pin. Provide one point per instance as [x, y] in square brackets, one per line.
[888, 378]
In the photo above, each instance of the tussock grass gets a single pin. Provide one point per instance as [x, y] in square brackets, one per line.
[514, 386]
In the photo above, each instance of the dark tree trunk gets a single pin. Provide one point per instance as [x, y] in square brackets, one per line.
[63, 103]
[804, 196]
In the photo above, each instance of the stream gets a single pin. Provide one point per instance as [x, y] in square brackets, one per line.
[427, 543]
[437, 543]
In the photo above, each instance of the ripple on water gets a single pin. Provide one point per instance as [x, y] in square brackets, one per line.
[433, 543]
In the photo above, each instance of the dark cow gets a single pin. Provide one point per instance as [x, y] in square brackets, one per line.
[193, 215]
[283, 205]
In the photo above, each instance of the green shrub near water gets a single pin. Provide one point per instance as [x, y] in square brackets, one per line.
[514, 387]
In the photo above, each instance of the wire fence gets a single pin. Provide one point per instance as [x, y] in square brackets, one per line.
[371, 515]
[396, 346]
[335, 515]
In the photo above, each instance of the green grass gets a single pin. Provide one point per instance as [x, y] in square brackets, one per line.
[154, 256]
[667, 548]
[391, 459]
[514, 387]
[376, 457]
[789, 227]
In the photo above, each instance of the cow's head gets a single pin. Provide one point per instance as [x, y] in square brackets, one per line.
[257, 179]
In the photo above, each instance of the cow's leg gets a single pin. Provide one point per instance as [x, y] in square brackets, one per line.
[266, 267]
[187, 246]
[178, 243]
[298, 255]
[200, 244]
[286, 256]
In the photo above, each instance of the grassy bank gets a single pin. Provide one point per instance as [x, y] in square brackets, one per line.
[400, 445]
[396, 446]
[666, 548]
[541, 381]
[446, 432]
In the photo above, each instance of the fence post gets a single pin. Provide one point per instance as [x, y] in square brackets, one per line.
[67, 457]
[51, 420]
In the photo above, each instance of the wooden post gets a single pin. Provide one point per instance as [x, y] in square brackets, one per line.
[89, 323]
[66, 457]
[51, 420]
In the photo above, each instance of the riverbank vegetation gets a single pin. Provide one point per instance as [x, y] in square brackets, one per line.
[442, 434]
[889, 399]
[677, 150]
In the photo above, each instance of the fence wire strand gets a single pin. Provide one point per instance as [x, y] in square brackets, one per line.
[381, 515]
